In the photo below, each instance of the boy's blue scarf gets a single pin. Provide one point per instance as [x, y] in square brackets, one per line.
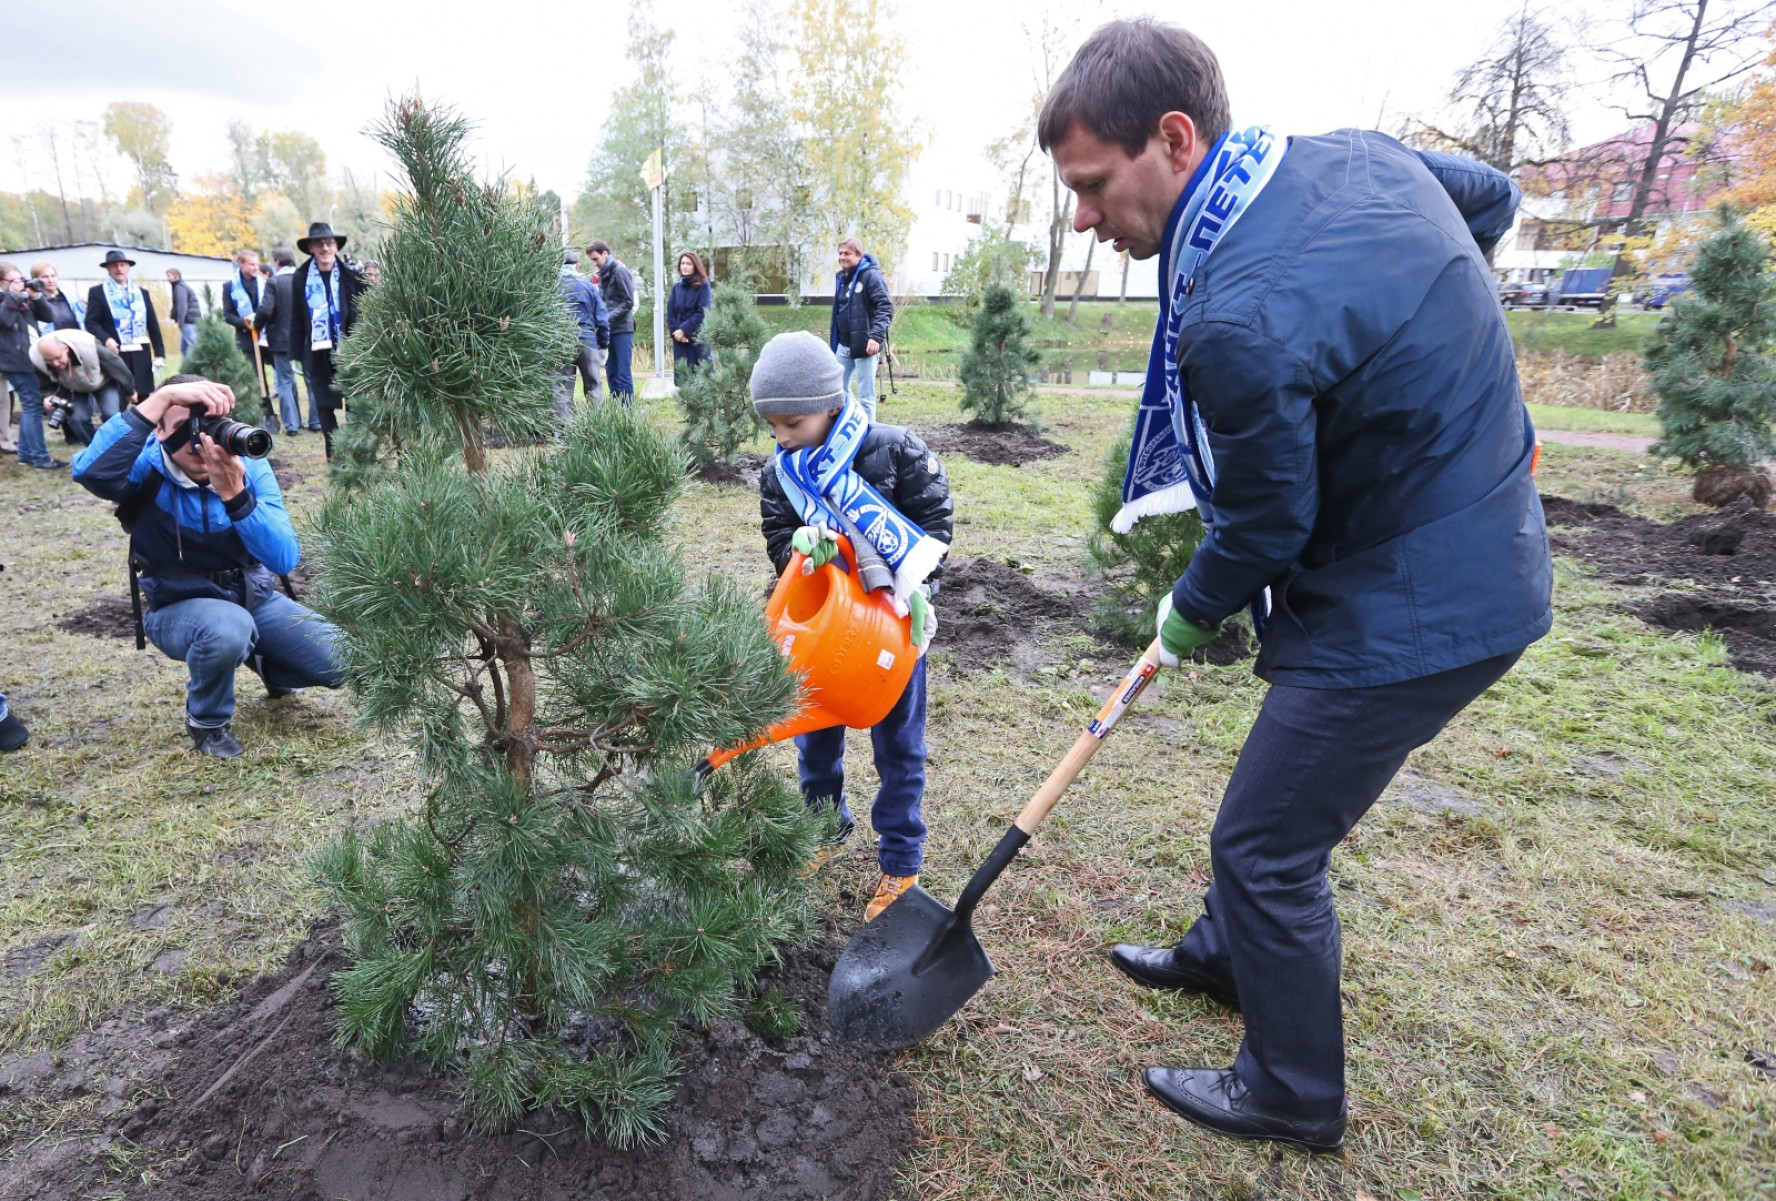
[128, 311]
[1170, 468]
[323, 305]
[819, 482]
[244, 308]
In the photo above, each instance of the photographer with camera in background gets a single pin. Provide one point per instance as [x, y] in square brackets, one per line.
[209, 535]
[17, 328]
[86, 380]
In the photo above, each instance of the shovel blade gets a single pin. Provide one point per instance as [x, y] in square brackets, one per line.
[905, 974]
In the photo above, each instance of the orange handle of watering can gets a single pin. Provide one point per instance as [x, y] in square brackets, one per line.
[853, 652]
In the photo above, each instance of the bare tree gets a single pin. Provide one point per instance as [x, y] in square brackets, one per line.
[1509, 107]
[1051, 44]
[50, 139]
[1672, 54]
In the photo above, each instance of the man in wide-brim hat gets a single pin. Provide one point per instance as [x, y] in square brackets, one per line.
[120, 314]
[324, 295]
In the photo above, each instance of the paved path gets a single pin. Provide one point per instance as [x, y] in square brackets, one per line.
[1632, 443]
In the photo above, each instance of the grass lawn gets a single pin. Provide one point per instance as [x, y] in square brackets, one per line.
[1602, 421]
[1572, 332]
[1557, 923]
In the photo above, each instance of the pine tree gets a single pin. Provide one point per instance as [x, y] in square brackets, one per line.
[1139, 567]
[717, 398]
[996, 367]
[1713, 370]
[562, 896]
[216, 357]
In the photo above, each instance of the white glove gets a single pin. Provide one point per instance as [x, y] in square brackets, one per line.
[1166, 658]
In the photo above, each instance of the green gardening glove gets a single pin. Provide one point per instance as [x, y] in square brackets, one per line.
[817, 542]
[1179, 637]
[923, 619]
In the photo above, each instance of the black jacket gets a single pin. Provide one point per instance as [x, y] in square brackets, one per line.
[862, 308]
[317, 365]
[276, 307]
[617, 285]
[58, 310]
[184, 304]
[17, 324]
[101, 326]
[898, 464]
[231, 312]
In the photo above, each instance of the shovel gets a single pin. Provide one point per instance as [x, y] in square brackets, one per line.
[906, 973]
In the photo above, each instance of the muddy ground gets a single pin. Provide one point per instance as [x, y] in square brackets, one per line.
[1722, 567]
[743, 472]
[253, 1099]
[1008, 445]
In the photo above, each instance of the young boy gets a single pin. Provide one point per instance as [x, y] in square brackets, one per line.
[833, 465]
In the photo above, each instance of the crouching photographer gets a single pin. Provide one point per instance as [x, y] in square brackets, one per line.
[208, 535]
[86, 380]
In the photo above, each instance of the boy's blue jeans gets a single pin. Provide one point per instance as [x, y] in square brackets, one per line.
[214, 637]
[899, 742]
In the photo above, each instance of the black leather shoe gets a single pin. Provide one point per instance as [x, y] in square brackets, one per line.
[1215, 1099]
[13, 734]
[1163, 967]
[216, 741]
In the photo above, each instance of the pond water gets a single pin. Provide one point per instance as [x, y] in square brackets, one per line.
[1103, 367]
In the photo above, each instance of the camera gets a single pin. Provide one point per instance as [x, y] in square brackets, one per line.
[60, 409]
[37, 286]
[236, 437]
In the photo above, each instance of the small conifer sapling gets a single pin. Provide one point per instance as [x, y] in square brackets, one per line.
[997, 366]
[716, 399]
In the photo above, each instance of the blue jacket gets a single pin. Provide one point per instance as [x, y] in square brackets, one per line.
[587, 305]
[191, 529]
[686, 306]
[1372, 451]
[862, 308]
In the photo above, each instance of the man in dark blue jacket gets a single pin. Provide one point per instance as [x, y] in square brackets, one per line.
[862, 313]
[209, 533]
[1333, 384]
[587, 305]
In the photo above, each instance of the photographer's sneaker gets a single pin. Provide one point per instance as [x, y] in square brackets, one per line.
[13, 734]
[216, 741]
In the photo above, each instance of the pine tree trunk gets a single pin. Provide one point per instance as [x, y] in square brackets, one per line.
[521, 701]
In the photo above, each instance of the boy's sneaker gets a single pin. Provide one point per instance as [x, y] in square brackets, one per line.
[216, 741]
[13, 734]
[888, 891]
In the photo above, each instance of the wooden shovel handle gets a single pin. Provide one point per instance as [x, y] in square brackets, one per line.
[1036, 812]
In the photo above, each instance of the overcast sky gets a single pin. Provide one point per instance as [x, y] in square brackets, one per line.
[537, 75]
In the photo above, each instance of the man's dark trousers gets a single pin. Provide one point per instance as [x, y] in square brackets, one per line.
[616, 368]
[1314, 763]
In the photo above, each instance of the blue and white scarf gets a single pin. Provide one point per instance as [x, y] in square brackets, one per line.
[323, 307]
[129, 312]
[818, 480]
[244, 306]
[1170, 466]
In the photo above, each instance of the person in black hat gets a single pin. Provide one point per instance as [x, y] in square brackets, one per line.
[324, 297]
[120, 314]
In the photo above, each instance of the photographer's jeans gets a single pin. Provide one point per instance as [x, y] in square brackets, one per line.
[33, 451]
[103, 405]
[214, 637]
[863, 368]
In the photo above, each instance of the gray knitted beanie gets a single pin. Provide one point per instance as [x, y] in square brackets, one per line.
[797, 373]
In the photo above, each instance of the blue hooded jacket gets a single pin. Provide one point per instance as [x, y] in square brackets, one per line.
[189, 529]
[1346, 348]
[862, 308]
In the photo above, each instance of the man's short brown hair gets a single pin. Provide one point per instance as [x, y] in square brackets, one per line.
[1127, 76]
[598, 246]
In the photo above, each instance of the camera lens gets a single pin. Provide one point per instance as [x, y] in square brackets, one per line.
[249, 441]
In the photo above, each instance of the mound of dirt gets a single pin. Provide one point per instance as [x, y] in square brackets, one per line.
[1008, 445]
[744, 472]
[1736, 546]
[987, 609]
[102, 617]
[260, 1101]
[286, 478]
[1748, 630]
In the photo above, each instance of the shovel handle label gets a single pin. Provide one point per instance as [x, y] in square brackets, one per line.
[1113, 709]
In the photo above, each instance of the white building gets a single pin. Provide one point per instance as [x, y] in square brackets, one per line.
[78, 268]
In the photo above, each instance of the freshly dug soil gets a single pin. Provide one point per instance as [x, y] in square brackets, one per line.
[744, 472]
[1008, 445]
[1748, 630]
[1729, 556]
[988, 611]
[286, 478]
[104, 616]
[1736, 546]
[753, 1118]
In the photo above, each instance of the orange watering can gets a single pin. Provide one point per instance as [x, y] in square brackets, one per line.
[853, 652]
